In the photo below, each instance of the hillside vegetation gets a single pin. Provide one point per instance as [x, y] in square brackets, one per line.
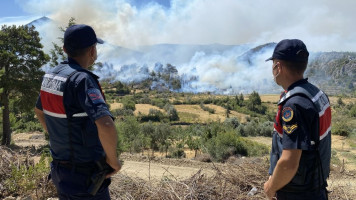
[334, 72]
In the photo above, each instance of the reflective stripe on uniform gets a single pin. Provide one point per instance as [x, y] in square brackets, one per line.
[64, 115]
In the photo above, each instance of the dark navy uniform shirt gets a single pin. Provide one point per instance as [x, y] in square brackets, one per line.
[83, 98]
[299, 119]
[300, 122]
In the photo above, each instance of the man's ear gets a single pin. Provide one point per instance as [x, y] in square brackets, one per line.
[280, 67]
[64, 49]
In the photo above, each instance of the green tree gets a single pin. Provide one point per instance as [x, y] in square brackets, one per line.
[254, 103]
[193, 144]
[237, 100]
[241, 98]
[176, 84]
[163, 134]
[171, 112]
[57, 53]
[1, 89]
[148, 130]
[129, 128]
[21, 58]
[255, 98]
[121, 88]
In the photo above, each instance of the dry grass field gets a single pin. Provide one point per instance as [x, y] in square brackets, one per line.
[270, 98]
[145, 108]
[198, 115]
[189, 113]
[347, 100]
[115, 105]
[273, 98]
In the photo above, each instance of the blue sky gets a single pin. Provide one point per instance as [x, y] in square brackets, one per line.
[11, 8]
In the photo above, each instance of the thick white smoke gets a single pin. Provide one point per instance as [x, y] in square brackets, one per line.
[325, 25]
[322, 25]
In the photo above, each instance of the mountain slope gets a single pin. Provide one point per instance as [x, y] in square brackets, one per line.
[334, 72]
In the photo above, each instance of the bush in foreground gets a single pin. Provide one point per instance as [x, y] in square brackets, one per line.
[228, 144]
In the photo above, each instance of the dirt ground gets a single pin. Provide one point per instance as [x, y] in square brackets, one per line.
[342, 178]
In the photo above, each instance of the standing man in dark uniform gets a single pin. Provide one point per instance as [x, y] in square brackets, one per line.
[72, 109]
[301, 144]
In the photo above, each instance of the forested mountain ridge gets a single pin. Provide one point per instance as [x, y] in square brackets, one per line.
[216, 68]
[334, 72]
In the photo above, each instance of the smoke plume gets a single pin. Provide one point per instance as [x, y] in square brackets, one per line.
[132, 33]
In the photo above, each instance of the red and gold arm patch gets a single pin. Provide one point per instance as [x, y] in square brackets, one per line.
[287, 114]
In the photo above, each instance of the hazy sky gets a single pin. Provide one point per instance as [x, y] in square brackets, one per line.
[324, 25]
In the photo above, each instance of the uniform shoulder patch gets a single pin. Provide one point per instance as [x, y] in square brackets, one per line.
[290, 128]
[95, 96]
[287, 114]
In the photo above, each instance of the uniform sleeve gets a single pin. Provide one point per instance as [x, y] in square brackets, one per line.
[39, 103]
[91, 99]
[295, 127]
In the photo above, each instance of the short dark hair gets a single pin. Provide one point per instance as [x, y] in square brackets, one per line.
[72, 52]
[296, 67]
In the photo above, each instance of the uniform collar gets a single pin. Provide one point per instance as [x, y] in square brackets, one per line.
[301, 81]
[73, 64]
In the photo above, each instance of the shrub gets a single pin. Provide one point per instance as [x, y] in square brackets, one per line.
[159, 102]
[171, 112]
[26, 178]
[145, 99]
[122, 112]
[121, 88]
[340, 103]
[232, 122]
[154, 115]
[229, 144]
[353, 110]
[128, 103]
[177, 102]
[129, 129]
[250, 129]
[177, 153]
[30, 126]
[266, 129]
[340, 128]
[208, 100]
[206, 108]
[255, 128]
[254, 148]
[224, 145]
